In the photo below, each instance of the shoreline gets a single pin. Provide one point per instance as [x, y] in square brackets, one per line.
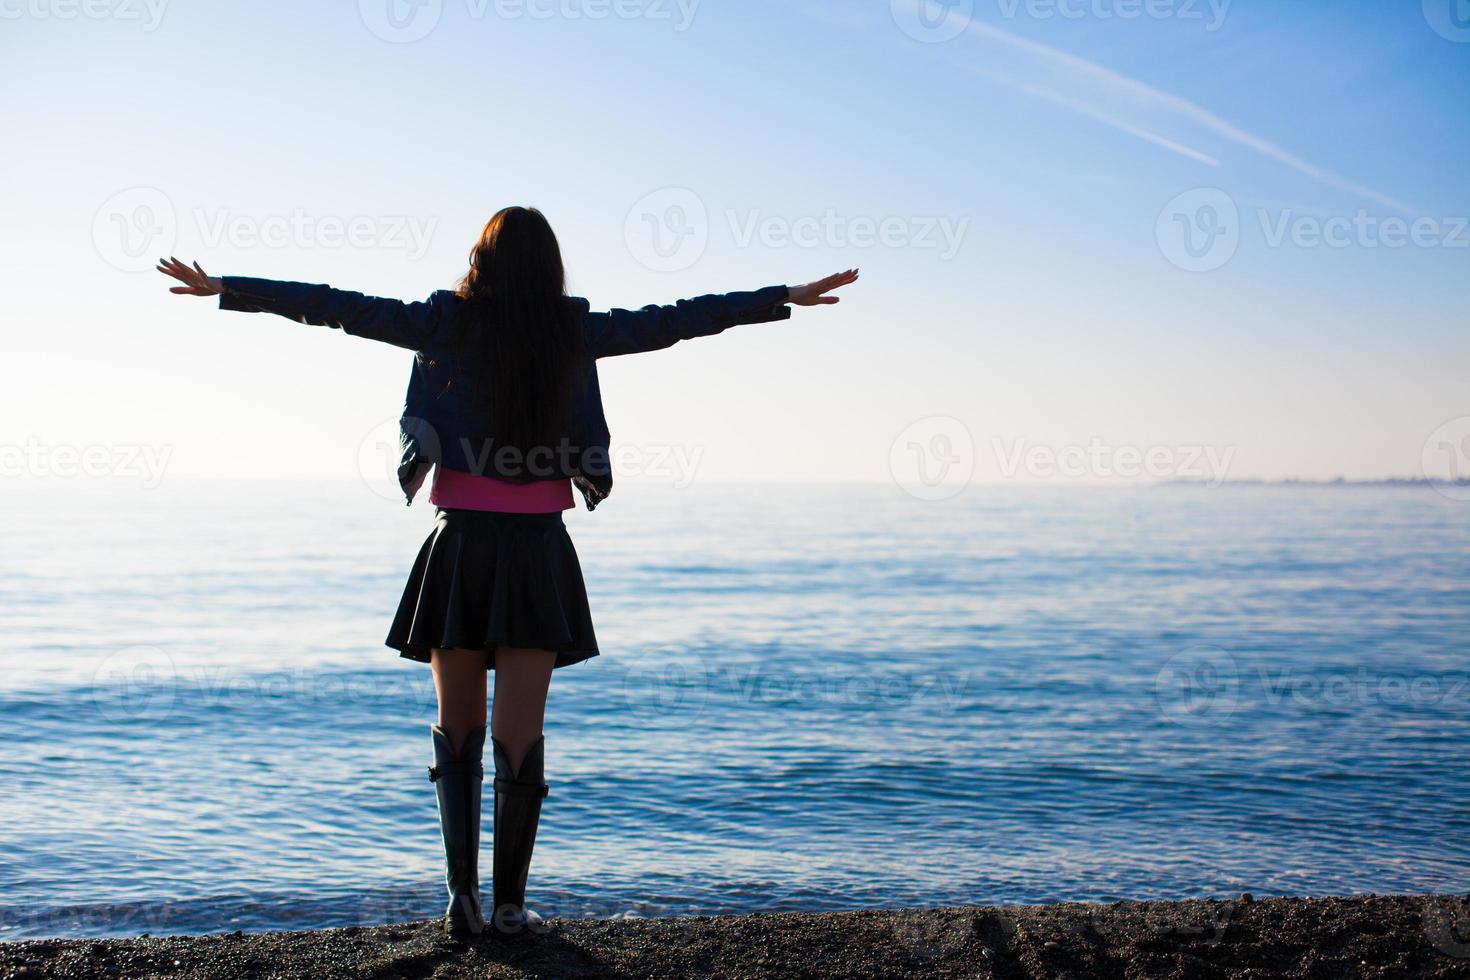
[1361, 936]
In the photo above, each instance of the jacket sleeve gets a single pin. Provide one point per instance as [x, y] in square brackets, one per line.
[415, 326]
[656, 327]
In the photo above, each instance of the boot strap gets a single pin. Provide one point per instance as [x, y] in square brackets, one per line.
[512, 788]
[456, 769]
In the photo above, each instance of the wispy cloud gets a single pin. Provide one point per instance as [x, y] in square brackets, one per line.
[1115, 99]
[1092, 112]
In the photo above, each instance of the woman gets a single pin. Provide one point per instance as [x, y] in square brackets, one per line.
[503, 405]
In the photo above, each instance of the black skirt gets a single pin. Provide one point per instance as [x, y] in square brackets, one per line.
[485, 579]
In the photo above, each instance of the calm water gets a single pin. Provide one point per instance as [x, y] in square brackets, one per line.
[813, 698]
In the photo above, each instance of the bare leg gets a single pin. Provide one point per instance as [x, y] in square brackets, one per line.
[522, 678]
[460, 683]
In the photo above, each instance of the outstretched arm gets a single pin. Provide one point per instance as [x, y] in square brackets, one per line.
[415, 326]
[656, 327]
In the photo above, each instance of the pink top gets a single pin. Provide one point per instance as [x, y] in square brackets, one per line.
[466, 491]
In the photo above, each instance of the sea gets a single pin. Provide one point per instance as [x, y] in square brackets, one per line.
[810, 697]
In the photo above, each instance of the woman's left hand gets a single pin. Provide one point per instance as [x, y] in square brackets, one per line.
[195, 281]
[815, 293]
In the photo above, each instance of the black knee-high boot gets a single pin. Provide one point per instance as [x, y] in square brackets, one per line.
[518, 795]
[457, 777]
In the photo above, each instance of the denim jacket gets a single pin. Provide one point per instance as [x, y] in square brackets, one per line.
[440, 423]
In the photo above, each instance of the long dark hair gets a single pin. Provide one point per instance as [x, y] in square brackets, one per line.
[518, 315]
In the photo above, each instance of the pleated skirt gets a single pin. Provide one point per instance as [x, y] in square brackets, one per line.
[484, 579]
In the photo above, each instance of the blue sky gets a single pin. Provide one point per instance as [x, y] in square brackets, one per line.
[1027, 174]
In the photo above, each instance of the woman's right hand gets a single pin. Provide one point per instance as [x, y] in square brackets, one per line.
[814, 293]
[195, 281]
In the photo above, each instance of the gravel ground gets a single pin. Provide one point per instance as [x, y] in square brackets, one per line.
[1324, 937]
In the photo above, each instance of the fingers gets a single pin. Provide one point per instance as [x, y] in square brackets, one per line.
[173, 267]
[195, 280]
[837, 279]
